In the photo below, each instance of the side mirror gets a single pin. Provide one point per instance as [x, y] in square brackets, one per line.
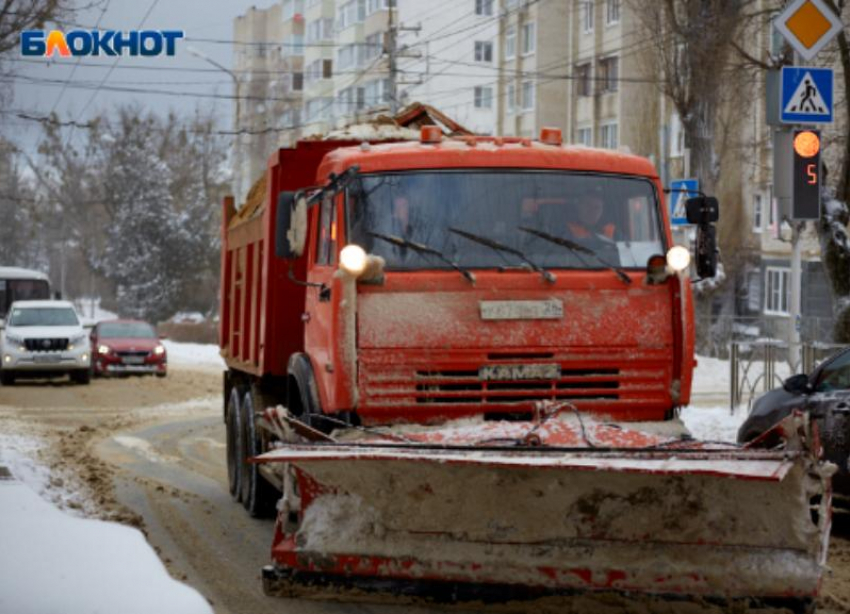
[291, 225]
[797, 384]
[706, 251]
[702, 210]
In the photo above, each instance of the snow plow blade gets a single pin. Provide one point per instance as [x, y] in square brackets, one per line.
[561, 506]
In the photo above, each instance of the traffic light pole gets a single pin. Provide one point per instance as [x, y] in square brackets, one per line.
[794, 348]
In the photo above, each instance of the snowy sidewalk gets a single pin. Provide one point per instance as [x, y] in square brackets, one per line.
[53, 563]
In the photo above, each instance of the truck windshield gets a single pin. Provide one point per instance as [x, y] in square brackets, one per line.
[43, 316]
[614, 216]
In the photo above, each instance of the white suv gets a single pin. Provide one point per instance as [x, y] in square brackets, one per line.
[44, 339]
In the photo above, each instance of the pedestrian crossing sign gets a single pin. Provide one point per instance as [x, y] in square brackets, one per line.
[680, 191]
[807, 95]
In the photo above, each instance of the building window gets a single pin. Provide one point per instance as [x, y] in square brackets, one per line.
[320, 30]
[527, 95]
[483, 97]
[374, 45]
[510, 4]
[484, 7]
[510, 43]
[587, 17]
[318, 109]
[528, 39]
[777, 289]
[612, 12]
[608, 74]
[483, 51]
[293, 46]
[584, 136]
[510, 97]
[583, 87]
[608, 136]
[757, 212]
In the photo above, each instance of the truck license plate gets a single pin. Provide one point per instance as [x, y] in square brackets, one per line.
[519, 372]
[133, 360]
[46, 360]
[521, 310]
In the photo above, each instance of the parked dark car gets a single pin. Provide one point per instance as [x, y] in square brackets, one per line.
[825, 393]
[124, 347]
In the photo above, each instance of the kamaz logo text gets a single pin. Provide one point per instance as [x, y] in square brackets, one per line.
[99, 42]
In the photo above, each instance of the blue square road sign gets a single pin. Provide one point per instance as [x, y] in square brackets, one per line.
[806, 95]
[680, 191]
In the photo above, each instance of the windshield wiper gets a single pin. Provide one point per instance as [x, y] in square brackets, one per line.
[577, 250]
[424, 249]
[504, 248]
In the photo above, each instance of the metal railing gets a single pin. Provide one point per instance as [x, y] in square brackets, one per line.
[758, 366]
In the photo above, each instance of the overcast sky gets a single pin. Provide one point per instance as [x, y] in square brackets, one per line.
[190, 80]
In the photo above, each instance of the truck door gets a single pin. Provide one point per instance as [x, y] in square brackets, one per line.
[319, 316]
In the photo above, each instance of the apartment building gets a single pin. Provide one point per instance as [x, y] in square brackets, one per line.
[269, 83]
[449, 57]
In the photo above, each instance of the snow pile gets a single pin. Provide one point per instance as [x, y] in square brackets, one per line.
[194, 355]
[711, 376]
[188, 317]
[91, 312]
[53, 562]
[713, 423]
[373, 132]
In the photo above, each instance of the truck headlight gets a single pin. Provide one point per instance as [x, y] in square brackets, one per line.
[353, 260]
[678, 258]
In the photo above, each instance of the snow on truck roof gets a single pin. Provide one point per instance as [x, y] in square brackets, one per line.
[486, 152]
[13, 272]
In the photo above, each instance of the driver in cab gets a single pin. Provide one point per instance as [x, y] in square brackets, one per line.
[587, 222]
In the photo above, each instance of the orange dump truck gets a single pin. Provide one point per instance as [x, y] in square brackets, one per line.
[455, 370]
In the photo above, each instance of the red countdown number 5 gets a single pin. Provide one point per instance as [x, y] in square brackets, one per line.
[811, 171]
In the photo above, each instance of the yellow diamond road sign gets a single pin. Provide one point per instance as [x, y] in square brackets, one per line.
[808, 25]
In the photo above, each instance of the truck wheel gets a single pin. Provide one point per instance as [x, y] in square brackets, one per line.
[7, 379]
[258, 496]
[235, 456]
[305, 396]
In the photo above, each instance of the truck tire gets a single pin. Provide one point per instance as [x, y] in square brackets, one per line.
[7, 379]
[235, 455]
[258, 496]
[304, 395]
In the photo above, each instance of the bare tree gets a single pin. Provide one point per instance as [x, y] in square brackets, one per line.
[18, 15]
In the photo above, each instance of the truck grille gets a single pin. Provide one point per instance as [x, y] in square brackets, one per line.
[466, 387]
[46, 345]
[627, 381]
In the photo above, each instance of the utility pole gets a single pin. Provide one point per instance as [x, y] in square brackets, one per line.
[392, 42]
[393, 54]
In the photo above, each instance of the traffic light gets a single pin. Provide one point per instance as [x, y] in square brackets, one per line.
[806, 175]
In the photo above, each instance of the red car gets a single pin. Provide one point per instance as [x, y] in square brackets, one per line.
[121, 347]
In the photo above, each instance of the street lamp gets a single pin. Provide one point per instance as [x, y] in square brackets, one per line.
[237, 146]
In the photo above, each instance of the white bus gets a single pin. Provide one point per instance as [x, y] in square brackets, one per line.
[18, 284]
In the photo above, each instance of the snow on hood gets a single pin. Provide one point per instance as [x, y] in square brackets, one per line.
[45, 332]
